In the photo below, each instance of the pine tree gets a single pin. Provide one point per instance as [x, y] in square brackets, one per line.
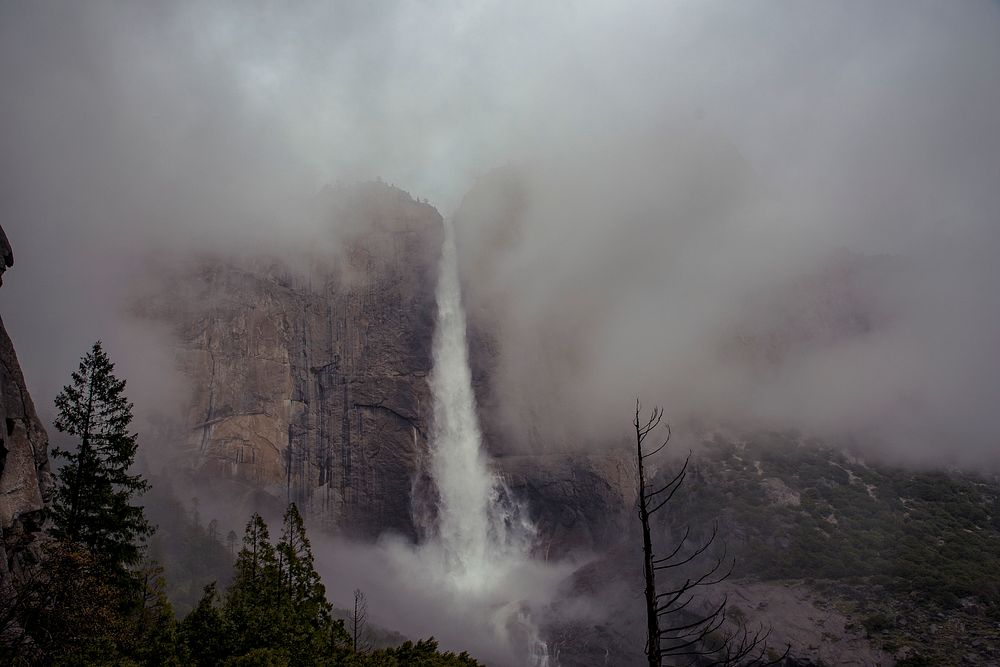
[307, 615]
[153, 628]
[252, 606]
[277, 601]
[256, 564]
[91, 501]
[205, 631]
[300, 583]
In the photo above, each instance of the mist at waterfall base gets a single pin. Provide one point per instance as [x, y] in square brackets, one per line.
[410, 590]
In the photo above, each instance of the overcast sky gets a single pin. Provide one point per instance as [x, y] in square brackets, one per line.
[786, 128]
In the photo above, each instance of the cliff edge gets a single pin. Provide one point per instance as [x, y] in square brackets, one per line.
[24, 463]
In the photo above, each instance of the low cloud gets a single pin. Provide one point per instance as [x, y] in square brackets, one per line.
[683, 161]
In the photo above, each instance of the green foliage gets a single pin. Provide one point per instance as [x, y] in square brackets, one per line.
[73, 609]
[89, 602]
[250, 602]
[299, 582]
[206, 632]
[191, 555]
[276, 602]
[276, 613]
[91, 503]
[424, 653]
[153, 624]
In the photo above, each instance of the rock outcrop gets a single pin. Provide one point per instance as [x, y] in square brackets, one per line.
[24, 467]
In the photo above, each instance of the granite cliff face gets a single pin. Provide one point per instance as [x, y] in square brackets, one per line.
[24, 467]
[310, 385]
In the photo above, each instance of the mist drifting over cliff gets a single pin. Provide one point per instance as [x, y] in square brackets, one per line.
[683, 176]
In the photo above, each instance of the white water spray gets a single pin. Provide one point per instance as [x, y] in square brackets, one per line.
[483, 534]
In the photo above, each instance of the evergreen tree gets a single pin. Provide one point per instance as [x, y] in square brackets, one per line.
[424, 653]
[252, 606]
[206, 632]
[277, 601]
[153, 629]
[256, 564]
[310, 630]
[300, 583]
[91, 502]
[275, 613]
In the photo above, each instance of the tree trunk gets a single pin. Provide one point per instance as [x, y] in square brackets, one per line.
[73, 528]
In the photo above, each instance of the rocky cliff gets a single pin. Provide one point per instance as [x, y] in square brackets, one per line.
[307, 381]
[24, 467]
[309, 384]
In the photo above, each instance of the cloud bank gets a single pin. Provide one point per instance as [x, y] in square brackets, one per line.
[688, 169]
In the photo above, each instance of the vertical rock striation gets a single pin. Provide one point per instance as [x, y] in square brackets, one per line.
[311, 385]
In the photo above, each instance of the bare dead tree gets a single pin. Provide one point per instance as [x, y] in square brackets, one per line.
[359, 623]
[673, 631]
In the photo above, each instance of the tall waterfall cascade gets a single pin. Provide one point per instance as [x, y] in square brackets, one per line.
[483, 533]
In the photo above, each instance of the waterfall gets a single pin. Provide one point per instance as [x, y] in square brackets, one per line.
[482, 533]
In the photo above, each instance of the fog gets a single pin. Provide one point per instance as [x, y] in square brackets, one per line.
[712, 293]
[683, 164]
[777, 215]
[408, 587]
